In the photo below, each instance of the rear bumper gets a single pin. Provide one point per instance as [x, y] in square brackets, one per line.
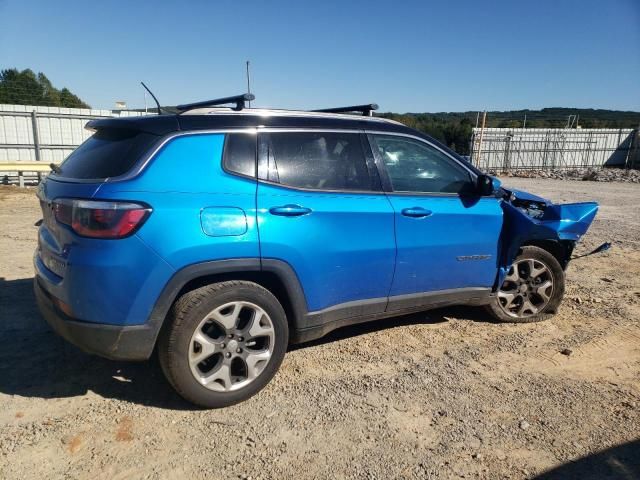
[109, 341]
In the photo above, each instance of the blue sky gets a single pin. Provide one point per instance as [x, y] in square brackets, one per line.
[404, 55]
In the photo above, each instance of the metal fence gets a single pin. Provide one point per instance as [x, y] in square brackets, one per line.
[29, 133]
[49, 134]
[504, 149]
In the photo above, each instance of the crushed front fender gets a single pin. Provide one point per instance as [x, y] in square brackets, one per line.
[572, 220]
[564, 224]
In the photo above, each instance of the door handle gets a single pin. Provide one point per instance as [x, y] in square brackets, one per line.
[416, 212]
[289, 210]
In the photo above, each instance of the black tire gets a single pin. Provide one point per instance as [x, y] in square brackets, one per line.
[547, 259]
[185, 316]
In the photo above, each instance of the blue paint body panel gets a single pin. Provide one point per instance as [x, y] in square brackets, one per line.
[174, 230]
[344, 250]
[522, 195]
[454, 247]
[572, 220]
[119, 281]
[108, 282]
[103, 281]
[343, 247]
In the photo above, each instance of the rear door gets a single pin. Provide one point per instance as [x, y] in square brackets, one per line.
[447, 236]
[322, 211]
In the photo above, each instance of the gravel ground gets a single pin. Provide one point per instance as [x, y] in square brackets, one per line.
[587, 174]
[443, 394]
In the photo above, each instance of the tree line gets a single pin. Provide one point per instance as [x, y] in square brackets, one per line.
[28, 88]
[454, 129]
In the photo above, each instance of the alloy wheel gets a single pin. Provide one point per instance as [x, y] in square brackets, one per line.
[527, 288]
[231, 346]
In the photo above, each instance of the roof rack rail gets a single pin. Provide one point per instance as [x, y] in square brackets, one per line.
[239, 100]
[366, 110]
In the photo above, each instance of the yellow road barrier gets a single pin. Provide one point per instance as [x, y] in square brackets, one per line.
[22, 167]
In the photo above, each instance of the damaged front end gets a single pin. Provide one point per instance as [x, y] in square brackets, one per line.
[532, 220]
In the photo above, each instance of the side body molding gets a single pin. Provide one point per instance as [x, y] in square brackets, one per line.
[309, 325]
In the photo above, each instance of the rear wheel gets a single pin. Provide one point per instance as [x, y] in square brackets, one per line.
[224, 343]
[532, 289]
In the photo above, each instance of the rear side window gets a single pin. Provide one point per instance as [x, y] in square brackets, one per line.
[107, 153]
[314, 160]
[240, 153]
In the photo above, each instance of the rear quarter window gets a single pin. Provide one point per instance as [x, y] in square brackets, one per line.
[107, 153]
[240, 153]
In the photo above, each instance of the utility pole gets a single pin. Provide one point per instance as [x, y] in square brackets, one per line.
[484, 120]
[248, 82]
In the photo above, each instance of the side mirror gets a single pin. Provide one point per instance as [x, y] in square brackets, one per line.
[487, 185]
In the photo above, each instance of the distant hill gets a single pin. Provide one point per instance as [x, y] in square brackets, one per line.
[454, 128]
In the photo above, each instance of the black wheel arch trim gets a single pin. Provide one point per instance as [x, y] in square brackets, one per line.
[187, 274]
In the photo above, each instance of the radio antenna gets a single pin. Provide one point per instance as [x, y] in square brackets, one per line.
[154, 98]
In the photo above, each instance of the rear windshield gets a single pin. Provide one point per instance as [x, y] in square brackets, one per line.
[107, 153]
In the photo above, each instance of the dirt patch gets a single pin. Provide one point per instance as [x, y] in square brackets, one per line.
[443, 394]
[73, 442]
[124, 433]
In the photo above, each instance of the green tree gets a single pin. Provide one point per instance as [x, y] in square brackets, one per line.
[26, 88]
[68, 99]
[51, 95]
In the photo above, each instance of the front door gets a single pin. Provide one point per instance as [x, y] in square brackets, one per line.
[447, 236]
[321, 210]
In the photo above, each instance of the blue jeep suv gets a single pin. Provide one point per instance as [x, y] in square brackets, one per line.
[218, 236]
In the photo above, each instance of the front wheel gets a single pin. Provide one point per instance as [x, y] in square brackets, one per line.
[223, 343]
[532, 289]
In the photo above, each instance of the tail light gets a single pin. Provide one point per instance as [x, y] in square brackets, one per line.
[98, 219]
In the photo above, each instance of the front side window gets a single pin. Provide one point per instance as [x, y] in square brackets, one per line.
[314, 160]
[415, 166]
